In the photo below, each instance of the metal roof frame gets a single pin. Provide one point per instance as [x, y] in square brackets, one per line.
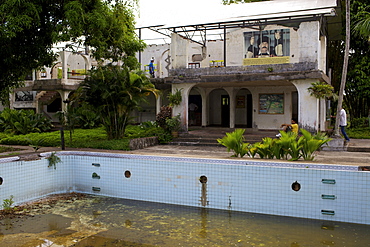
[258, 22]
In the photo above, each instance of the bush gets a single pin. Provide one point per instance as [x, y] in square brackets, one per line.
[289, 146]
[360, 122]
[23, 122]
[86, 138]
[163, 115]
[360, 133]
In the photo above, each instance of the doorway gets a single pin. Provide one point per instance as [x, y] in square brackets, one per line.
[225, 110]
[195, 110]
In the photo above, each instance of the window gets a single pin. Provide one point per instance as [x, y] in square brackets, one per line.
[273, 46]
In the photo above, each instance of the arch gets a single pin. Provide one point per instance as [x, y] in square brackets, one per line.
[147, 110]
[195, 107]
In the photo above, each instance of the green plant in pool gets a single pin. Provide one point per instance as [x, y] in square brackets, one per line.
[53, 160]
[35, 143]
[7, 204]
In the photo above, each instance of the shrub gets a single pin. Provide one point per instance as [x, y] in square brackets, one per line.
[23, 122]
[289, 146]
[360, 122]
[235, 141]
[165, 113]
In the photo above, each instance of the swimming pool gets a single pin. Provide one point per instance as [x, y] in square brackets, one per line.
[312, 191]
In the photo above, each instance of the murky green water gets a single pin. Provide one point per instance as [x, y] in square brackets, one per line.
[104, 221]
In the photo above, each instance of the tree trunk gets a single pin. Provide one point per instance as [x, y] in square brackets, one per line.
[344, 70]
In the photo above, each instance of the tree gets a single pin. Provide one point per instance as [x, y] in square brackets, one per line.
[357, 90]
[345, 68]
[115, 92]
[362, 26]
[29, 29]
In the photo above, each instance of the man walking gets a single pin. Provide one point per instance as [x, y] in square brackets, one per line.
[343, 123]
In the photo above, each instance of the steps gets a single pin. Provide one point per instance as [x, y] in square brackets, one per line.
[208, 137]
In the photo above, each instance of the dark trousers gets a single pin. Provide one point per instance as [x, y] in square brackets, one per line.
[343, 129]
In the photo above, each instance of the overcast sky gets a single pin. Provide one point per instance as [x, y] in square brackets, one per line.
[185, 12]
[175, 12]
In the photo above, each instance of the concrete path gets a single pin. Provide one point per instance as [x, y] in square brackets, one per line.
[357, 152]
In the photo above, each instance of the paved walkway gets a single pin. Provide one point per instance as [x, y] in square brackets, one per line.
[356, 152]
[322, 157]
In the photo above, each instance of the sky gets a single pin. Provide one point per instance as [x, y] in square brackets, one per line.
[175, 12]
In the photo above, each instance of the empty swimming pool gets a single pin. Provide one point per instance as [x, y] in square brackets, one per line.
[313, 191]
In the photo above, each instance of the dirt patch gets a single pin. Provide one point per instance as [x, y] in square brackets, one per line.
[23, 210]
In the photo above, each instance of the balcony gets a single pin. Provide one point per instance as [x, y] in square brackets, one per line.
[277, 73]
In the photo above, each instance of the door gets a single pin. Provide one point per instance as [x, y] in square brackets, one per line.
[249, 111]
[225, 111]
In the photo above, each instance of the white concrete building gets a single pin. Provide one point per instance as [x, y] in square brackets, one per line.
[235, 82]
[255, 75]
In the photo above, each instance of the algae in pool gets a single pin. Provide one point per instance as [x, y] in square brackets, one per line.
[105, 221]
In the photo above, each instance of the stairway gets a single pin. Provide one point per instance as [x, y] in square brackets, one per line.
[47, 97]
[208, 136]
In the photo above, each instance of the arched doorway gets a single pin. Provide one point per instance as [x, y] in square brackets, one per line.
[219, 108]
[195, 108]
[244, 109]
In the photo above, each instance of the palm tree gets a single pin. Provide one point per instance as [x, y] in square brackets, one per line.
[115, 92]
[362, 27]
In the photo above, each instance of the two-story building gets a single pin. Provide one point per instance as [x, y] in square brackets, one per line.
[257, 75]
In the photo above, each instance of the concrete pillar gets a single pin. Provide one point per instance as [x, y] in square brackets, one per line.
[308, 106]
[64, 96]
[231, 93]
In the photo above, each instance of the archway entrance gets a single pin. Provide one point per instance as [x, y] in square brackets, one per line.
[195, 108]
[244, 109]
[219, 108]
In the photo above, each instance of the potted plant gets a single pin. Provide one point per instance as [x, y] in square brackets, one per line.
[175, 98]
[173, 125]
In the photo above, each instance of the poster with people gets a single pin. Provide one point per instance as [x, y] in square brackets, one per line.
[273, 46]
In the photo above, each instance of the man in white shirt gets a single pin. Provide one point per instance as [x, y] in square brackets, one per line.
[343, 123]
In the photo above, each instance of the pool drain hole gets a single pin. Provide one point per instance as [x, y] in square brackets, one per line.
[296, 186]
[203, 179]
[127, 174]
[1, 180]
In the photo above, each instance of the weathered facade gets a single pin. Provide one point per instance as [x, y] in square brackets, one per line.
[254, 75]
[257, 75]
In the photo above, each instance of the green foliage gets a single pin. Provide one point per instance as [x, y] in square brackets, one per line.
[322, 90]
[289, 146]
[7, 204]
[48, 139]
[175, 98]
[312, 143]
[173, 123]
[23, 121]
[53, 160]
[235, 141]
[163, 115]
[88, 118]
[360, 122]
[88, 138]
[357, 90]
[119, 93]
[36, 143]
[107, 27]
[360, 133]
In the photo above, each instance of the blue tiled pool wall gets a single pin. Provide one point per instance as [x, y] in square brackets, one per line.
[328, 194]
